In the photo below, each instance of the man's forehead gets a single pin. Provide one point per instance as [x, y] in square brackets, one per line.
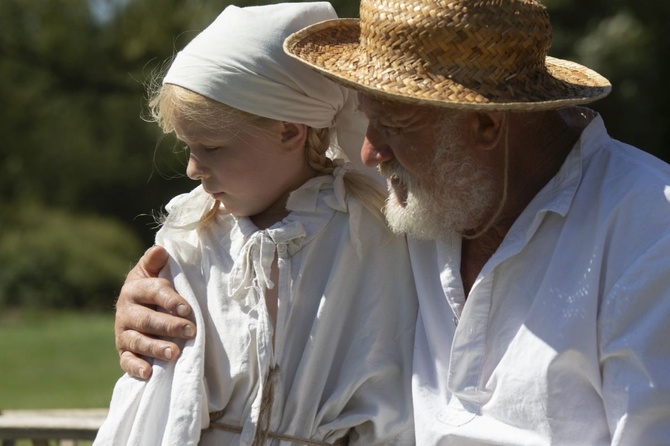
[377, 107]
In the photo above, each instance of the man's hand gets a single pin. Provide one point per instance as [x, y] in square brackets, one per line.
[137, 321]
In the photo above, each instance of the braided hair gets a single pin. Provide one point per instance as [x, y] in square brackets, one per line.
[168, 101]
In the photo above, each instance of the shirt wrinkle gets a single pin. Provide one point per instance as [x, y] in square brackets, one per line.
[570, 301]
[320, 388]
[555, 197]
[306, 197]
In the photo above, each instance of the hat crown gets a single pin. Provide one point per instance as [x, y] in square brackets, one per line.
[482, 41]
[469, 54]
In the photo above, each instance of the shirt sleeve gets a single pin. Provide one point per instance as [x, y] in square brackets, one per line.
[634, 327]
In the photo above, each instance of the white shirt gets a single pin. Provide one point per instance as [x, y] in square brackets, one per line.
[343, 339]
[565, 335]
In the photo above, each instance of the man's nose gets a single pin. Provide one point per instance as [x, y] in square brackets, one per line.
[375, 148]
[196, 170]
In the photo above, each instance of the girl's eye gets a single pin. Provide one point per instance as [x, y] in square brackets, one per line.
[211, 149]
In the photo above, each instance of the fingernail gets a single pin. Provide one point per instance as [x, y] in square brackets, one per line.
[182, 310]
[168, 353]
[141, 373]
[188, 331]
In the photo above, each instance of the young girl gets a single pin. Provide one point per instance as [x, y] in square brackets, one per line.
[304, 300]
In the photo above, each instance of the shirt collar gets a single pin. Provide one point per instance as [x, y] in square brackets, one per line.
[558, 194]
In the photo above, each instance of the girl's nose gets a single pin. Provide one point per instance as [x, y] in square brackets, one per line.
[375, 148]
[195, 169]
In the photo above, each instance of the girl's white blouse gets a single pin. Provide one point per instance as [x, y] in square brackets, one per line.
[342, 342]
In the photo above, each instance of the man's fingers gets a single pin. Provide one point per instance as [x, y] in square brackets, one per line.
[150, 264]
[142, 286]
[135, 366]
[137, 321]
[168, 299]
[140, 344]
[153, 292]
[150, 322]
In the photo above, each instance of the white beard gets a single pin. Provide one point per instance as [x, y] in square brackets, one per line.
[454, 192]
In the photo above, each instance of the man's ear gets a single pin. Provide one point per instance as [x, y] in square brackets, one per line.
[293, 135]
[488, 128]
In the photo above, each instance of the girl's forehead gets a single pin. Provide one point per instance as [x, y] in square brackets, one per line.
[191, 130]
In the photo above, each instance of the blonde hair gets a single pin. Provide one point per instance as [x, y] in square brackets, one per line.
[168, 101]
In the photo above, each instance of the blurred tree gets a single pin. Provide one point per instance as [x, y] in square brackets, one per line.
[56, 259]
[75, 154]
[72, 140]
[71, 135]
[625, 41]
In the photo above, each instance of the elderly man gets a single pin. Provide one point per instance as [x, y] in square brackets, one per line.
[540, 246]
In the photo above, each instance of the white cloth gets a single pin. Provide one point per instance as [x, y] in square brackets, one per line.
[565, 335]
[239, 60]
[343, 340]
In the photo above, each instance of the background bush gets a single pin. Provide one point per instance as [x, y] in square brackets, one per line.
[57, 259]
[80, 171]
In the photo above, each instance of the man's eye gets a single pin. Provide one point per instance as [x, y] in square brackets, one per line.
[390, 129]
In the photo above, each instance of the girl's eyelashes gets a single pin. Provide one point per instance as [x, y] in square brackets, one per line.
[212, 149]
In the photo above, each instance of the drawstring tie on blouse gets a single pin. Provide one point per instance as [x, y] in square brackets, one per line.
[253, 266]
[252, 269]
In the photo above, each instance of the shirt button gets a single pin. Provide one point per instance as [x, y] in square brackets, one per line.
[455, 321]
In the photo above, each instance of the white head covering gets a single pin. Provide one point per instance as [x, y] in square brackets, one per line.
[239, 60]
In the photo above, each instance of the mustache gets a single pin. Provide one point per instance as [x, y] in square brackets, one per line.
[392, 168]
[396, 173]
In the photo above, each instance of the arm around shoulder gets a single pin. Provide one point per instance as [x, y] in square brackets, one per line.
[138, 321]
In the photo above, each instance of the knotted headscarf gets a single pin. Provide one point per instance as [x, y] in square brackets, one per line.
[239, 60]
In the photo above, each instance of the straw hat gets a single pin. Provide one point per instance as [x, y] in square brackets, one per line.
[470, 54]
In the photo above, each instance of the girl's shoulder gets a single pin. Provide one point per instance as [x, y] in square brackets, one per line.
[185, 210]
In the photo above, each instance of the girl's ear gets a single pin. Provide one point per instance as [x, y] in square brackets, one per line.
[487, 128]
[293, 135]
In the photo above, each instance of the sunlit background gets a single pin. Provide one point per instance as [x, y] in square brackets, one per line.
[81, 173]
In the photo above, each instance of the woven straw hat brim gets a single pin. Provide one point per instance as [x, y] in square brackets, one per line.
[332, 48]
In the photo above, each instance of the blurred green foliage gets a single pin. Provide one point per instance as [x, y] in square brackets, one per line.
[81, 172]
[625, 41]
[56, 360]
[57, 259]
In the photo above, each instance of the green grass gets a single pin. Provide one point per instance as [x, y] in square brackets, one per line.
[57, 360]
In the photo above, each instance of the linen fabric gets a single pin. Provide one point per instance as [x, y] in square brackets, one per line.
[342, 342]
[239, 60]
[564, 336]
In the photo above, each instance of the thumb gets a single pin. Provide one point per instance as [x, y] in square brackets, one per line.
[153, 260]
[150, 265]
